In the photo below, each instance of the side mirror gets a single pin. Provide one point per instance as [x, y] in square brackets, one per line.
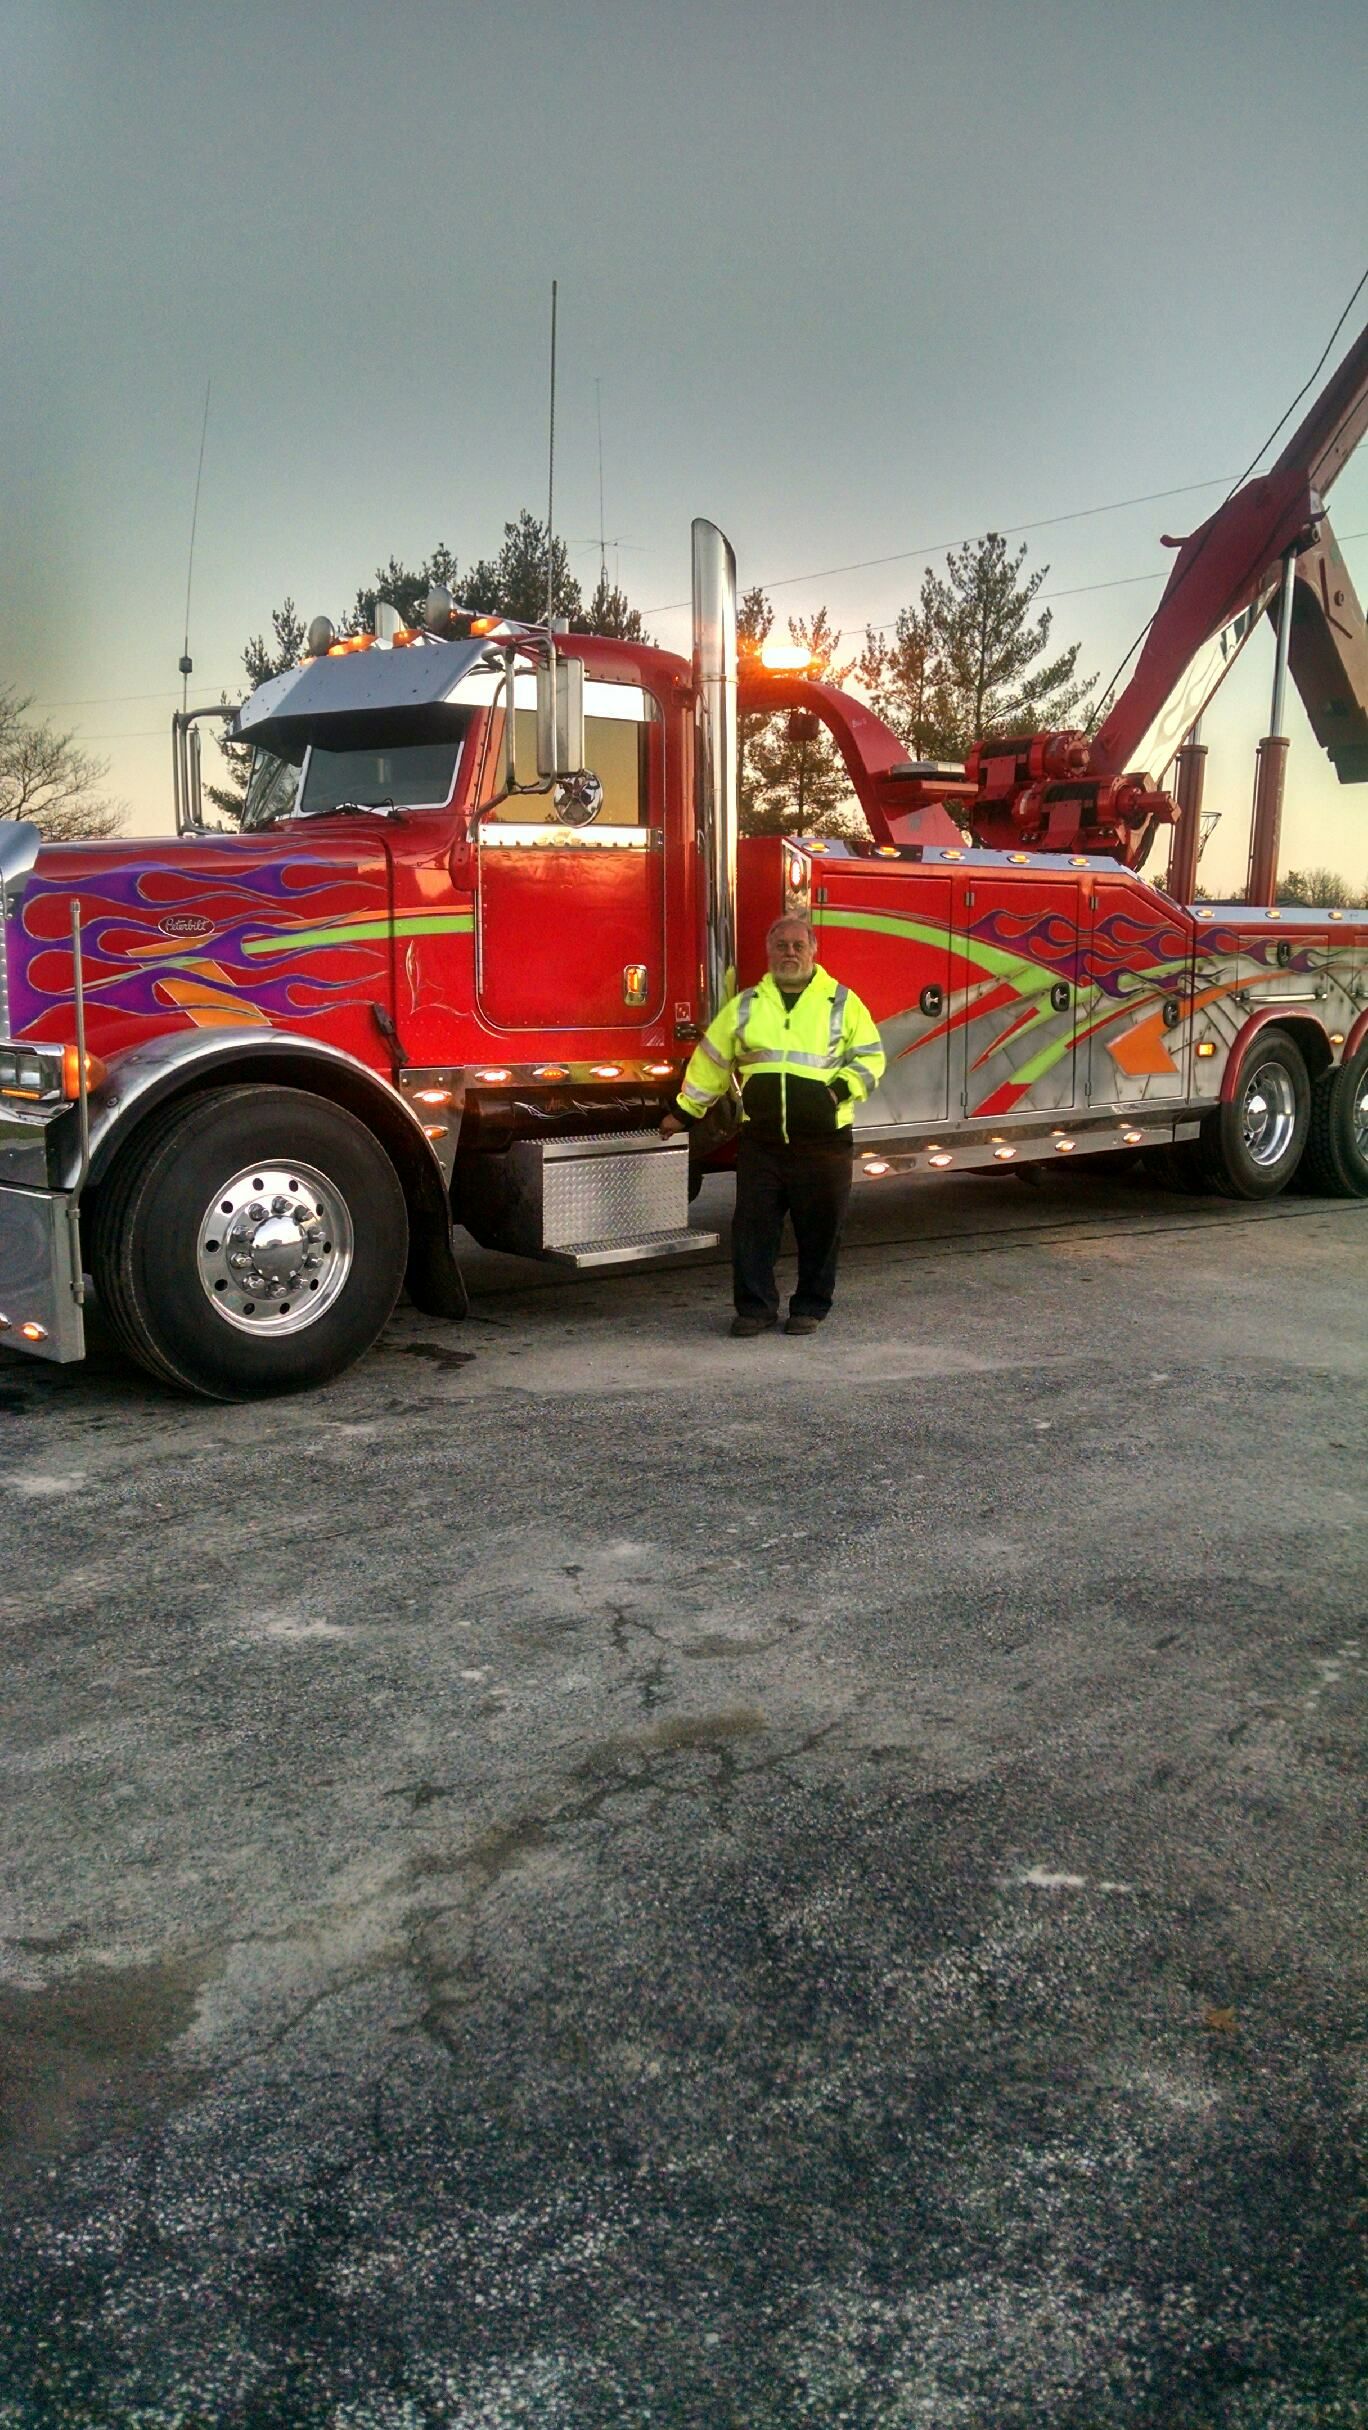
[560, 717]
[803, 726]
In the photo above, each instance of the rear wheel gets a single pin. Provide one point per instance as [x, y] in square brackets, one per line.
[1336, 1160]
[1251, 1146]
[251, 1242]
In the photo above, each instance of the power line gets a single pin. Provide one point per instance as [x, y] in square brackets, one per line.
[1003, 531]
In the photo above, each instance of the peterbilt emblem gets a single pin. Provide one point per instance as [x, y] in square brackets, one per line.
[185, 924]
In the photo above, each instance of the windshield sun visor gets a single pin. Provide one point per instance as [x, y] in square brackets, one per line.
[407, 691]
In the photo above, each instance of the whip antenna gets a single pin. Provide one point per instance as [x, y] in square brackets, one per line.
[187, 667]
[551, 476]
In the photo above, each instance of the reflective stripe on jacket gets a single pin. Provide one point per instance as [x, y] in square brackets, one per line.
[828, 1036]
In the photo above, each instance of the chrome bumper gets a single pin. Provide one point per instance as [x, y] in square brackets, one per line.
[40, 1275]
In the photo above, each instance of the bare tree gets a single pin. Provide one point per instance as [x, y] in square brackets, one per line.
[45, 776]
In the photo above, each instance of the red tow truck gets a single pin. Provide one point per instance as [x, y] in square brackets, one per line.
[488, 889]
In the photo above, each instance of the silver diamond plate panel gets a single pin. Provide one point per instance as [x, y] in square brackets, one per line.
[622, 1197]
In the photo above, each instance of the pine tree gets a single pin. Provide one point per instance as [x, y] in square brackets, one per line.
[966, 659]
[792, 781]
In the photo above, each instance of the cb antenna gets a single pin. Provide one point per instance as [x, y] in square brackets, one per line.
[551, 478]
[603, 543]
[187, 664]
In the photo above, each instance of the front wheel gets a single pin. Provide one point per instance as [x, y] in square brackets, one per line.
[1251, 1146]
[1337, 1144]
[250, 1242]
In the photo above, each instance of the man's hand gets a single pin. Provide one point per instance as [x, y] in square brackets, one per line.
[671, 1126]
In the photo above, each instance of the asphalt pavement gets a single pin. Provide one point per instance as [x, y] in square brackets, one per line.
[595, 1875]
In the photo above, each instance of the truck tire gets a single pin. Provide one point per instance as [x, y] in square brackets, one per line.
[1250, 1147]
[250, 1242]
[1336, 1159]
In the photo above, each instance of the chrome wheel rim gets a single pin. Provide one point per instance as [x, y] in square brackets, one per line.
[275, 1248]
[1359, 1120]
[1268, 1114]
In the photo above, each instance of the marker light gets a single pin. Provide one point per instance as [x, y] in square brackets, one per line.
[552, 1071]
[786, 657]
[71, 1071]
[1078, 860]
[434, 1130]
[34, 1333]
[4, 1324]
[1019, 860]
[1337, 915]
[1133, 1138]
[1274, 915]
[1004, 1155]
[495, 1073]
[887, 852]
[940, 1158]
[433, 1096]
[1337, 1037]
[484, 624]
[658, 1071]
[606, 1071]
[1064, 1147]
[1205, 1050]
[875, 1164]
[797, 871]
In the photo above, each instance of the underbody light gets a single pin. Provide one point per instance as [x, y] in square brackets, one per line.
[606, 1071]
[1004, 1155]
[34, 1333]
[658, 1071]
[940, 1158]
[434, 1130]
[1064, 1147]
[495, 1073]
[1337, 1037]
[1205, 1049]
[875, 1164]
[552, 1071]
[433, 1096]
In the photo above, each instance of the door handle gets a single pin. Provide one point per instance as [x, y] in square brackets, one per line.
[1061, 996]
[932, 1001]
[635, 983]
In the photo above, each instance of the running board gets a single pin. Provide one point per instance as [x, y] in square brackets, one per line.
[584, 1254]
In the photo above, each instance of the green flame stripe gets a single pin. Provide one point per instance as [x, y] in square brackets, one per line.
[363, 932]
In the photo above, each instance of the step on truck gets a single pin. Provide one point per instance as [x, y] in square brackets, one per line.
[488, 890]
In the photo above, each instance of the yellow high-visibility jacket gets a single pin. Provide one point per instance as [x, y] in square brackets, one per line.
[800, 1073]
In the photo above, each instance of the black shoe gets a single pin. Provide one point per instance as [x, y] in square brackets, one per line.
[745, 1328]
[802, 1324]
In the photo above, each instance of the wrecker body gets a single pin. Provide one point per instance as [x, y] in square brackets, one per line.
[487, 892]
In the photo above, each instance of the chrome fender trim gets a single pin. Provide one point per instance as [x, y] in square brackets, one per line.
[146, 1075]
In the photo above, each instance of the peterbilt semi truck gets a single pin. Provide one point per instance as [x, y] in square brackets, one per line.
[488, 890]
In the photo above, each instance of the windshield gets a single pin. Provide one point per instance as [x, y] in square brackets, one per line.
[406, 774]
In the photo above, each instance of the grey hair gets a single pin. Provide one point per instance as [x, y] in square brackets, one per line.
[791, 919]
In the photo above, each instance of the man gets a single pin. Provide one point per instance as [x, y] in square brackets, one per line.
[803, 1052]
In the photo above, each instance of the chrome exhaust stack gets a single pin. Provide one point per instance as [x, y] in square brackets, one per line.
[717, 771]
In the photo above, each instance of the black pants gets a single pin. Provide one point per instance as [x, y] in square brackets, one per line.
[809, 1182]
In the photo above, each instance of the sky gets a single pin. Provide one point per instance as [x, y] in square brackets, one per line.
[854, 283]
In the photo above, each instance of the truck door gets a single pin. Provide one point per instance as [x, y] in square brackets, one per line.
[1018, 944]
[571, 930]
